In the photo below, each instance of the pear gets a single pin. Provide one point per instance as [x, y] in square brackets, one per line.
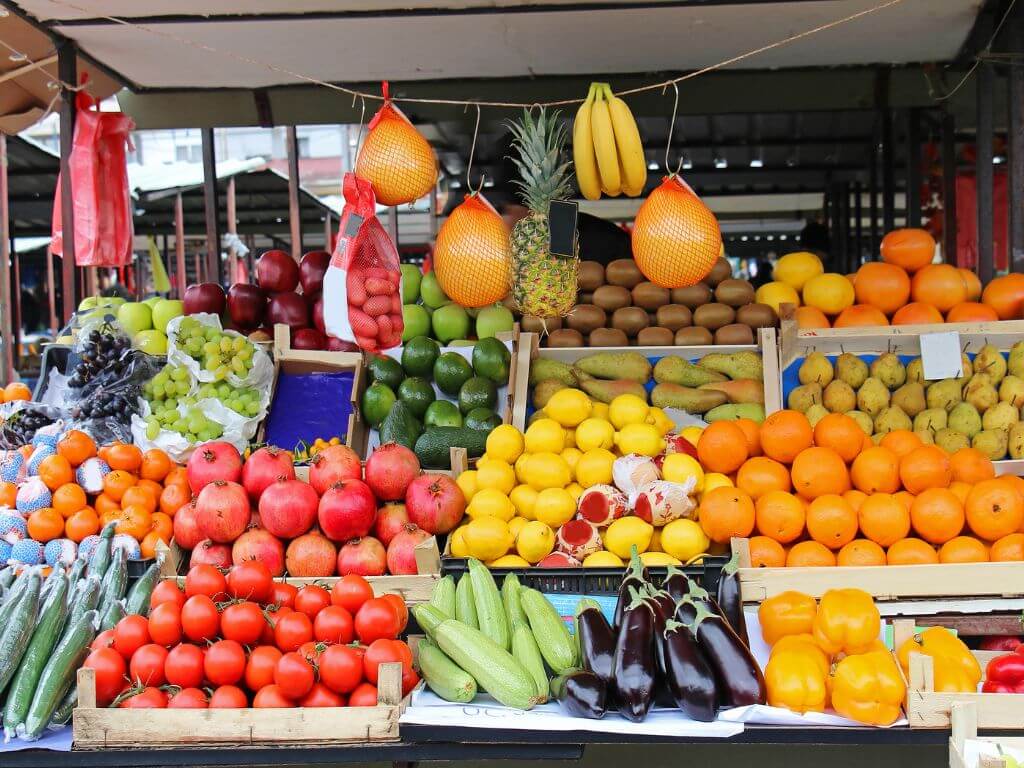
[915, 371]
[674, 370]
[943, 394]
[889, 370]
[815, 414]
[738, 365]
[992, 442]
[1016, 441]
[606, 391]
[839, 397]
[1015, 365]
[926, 436]
[890, 419]
[872, 397]
[991, 361]
[544, 390]
[804, 396]
[950, 440]
[910, 397]
[544, 368]
[1000, 416]
[733, 411]
[1011, 391]
[816, 369]
[965, 418]
[980, 392]
[932, 418]
[877, 438]
[616, 365]
[851, 369]
[968, 369]
[863, 421]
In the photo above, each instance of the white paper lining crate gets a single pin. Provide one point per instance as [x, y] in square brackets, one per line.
[965, 723]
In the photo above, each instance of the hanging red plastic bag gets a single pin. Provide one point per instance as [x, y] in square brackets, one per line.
[99, 183]
[362, 287]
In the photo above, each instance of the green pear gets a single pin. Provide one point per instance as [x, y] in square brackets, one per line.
[992, 442]
[804, 396]
[1016, 441]
[872, 397]
[950, 440]
[990, 360]
[931, 418]
[889, 370]
[1011, 391]
[839, 397]
[980, 392]
[863, 421]
[1000, 416]
[915, 371]
[815, 414]
[851, 369]
[1015, 365]
[890, 419]
[968, 369]
[926, 436]
[910, 397]
[965, 418]
[943, 394]
[816, 369]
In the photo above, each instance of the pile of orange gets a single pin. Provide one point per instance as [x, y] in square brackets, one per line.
[15, 391]
[828, 495]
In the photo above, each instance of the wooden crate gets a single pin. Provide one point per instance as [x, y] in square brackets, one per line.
[102, 728]
[787, 323]
[964, 717]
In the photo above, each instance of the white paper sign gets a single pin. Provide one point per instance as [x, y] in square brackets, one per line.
[940, 356]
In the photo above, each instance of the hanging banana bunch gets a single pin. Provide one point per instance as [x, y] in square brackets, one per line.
[606, 147]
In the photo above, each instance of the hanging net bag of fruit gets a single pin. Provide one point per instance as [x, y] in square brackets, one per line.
[395, 158]
[676, 239]
[362, 287]
[472, 256]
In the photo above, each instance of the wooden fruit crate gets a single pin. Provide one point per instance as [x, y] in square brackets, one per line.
[965, 720]
[103, 728]
[787, 323]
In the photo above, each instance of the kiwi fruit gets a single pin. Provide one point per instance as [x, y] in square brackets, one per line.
[585, 298]
[714, 316]
[722, 270]
[673, 317]
[650, 296]
[630, 320]
[623, 272]
[734, 333]
[655, 337]
[734, 292]
[692, 296]
[531, 324]
[757, 316]
[608, 337]
[591, 276]
[694, 336]
[565, 337]
[612, 297]
[585, 318]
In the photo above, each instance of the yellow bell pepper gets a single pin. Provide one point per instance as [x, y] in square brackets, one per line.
[868, 688]
[847, 622]
[956, 669]
[787, 613]
[796, 681]
[803, 644]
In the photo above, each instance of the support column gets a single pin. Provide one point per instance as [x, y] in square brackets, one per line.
[214, 268]
[1016, 146]
[914, 168]
[233, 229]
[858, 224]
[873, 240]
[888, 172]
[949, 228]
[67, 71]
[180, 272]
[328, 232]
[294, 205]
[985, 78]
[6, 316]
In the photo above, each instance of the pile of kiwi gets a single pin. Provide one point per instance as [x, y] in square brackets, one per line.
[617, 307]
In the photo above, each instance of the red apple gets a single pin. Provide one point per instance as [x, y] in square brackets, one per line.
[312, 269]
[288, 308]
[246, 305]
[318, 315]
[334, 344]
[276, 271]
[204, 297]
[308, 338]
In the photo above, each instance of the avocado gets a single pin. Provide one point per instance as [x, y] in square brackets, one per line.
[386, 370]
[417, 393]
[491, 360]
[482, 419]
[400, 426]
[443, 413]
[433, 448]
[478, 392]
[451, 371]
[419, 355]
[378, 400]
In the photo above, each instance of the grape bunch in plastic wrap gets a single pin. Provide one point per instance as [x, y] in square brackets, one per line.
[18, 428]
[101, 353]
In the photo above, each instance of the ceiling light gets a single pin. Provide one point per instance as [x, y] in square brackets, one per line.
[488, 183]
[687, 164]
[744, 238]
[770, 238]
[757, 237]
[998, 160]
[721, 162]
[757, 163]
[652, 166]
[456, 184]
[783, 237]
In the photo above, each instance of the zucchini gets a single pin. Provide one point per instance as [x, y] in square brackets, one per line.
[100, 560]
[429, 618]
[510, 598]
[114, 613]
[526, 652]
[490, 613]
[494, 669]
[115, 580]
[443, 597]
[17, 632]
[87, 599]
[66, 708]
[141, 591]
[553, 638]
[465, 609]
[443, 675]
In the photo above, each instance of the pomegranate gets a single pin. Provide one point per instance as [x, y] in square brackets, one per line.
[678, 444]
[435, 503]
[288, 508]
[265, 466]
[363, 557]
[559, 560]
[602, 504]
[277, 271]
[311, 555]
[402, 550]
[207, 552]
[578, 538]
[334, 463]
[262, 546]
[391, 519]
[347, 510]
[213, 461]
[632, 471]
[186, 526]
[390, 469]
[223, 511]
[661, 502]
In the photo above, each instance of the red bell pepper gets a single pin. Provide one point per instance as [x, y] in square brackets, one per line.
[1005, 674]
[1001, 643]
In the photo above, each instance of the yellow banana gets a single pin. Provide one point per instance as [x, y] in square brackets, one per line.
[604, 145]
[583, 150]
[627, 140]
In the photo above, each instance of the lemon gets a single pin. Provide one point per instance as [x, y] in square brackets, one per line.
[505, 442]
[547, 470]
[776, 294]
[544, 436]
[714, 480]
[655, 545]
[535, 542]
[627, 409]
[830, 292]
[467, 484]
[643, 439]
[658, 558]
[508, 561]
[572, 457]
[487, 538]
[680, 467]
[484, 460]
[684, 539]
[692, 435]
[554, 507]
[575, 490]
[490, 502]
[599, 410]
[795, 269]
[602, 560]
[568, 407]
[595, 468]
[523, 497]
[520, 466]
[496, 474]
[457, 542]
[595, 433]
[660, 421]
[515, 525]
[570, 438]
[628, 532]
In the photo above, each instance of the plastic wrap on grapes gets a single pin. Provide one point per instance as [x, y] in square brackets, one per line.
[213, 354]
[228, 425]
[21, 419]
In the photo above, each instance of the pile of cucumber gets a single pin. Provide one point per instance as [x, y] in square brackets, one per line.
[46, 626]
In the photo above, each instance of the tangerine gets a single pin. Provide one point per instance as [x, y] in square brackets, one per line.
[17, 390]
[885, 287]
[105, 503]
[808, 318]
[911, 551]
[819, 471]
[766, 552]
[937, 515]
[831, 521]
[135, 521]
[162, 524]
[917, 313]
[84, 522]
[784, 434]
[752, 431]
[76, 446]
[876, 470]
[810, 554]
[861, 552]
[148, 545]
[8, 494]
[883, 519]
[963, 549]
[722, 447]
[910, 248]
[140, 496]
[840, 433]
[939, 285]
[855, 499]
[994, 509]
[1009, 548]
[973, 284]
[906, 499]
[68, 499]
[155, 465]
[760, 475]
[177, 475]
[726, 512]
[174, 497]
[925, 467]
[969, 465]
[45, 524]
[901, 442]
[960, 490]
[55, 471]
[115, 483]
[126, 457]
[971, 312]
[1006, 296]
[780, 516]
[860, 316]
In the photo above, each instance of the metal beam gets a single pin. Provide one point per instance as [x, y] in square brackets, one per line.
[949, 228]
[913, 168]
[294, 204]
[213, 265]
[985, 80]
[67, 72]
[6, 317]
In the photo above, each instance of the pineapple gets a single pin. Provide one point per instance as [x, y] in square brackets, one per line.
[543, 285]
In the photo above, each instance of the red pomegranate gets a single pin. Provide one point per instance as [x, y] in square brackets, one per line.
[391, 518]
[186, 526]
[363, 557]
[223, 511]
[401, 550]
[559, 560]
[258, 544]
[288, 508]
[207, 552]
[213, 461]
[334, 463]
[390, 469]
[265, 466]
[435, 503]
[311, 555]
[347, 510]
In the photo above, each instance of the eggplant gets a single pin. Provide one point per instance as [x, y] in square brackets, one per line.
[580, 693]
[686, 608]
[686, 672]
[730, 600]
[634, 668]
[664, 608]
[676, 583]
[737, 673]
[596, 640]
[636, 578]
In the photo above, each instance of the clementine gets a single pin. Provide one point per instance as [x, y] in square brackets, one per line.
[808, 318]
[726, 512]
[969, 465]
[810, 554]
[1008, 548]
[937, 515]
[861, 552]
[876, 470]
[760, 475]
[963, 549]
[901, 442]
[911, 551]
[780, 516]
[994, 509]
[883, 519]
[722, 447]
[840, 433]
[855, 499]
[831, 521]
[752, 431]
[925, 467]
[817, 471]
[766, 552]
[784, 434]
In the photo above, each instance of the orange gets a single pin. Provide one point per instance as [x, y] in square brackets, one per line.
[752, 431]
[8, 494]
[885, 287]
[135, 521]
[45, 524]
[925, 467]
[861, 552]
[155, 465]
[817, 471]
[963, 549]
[906, 499]
[960, 490]
[937, 515]
[106, 518]
[855, 499]
[152, 486]
[76, 446]
[840, 433]
[760, 475]
[105, 503]
[1006, 296]
[810, 317]
[162, 524]
[139, 496]
[173, 497]
[917, 313]
[884, 519]
[177, 475]
[68, 499]
[810, 554]
[969, 465]
[55, 471]
[911, 552]
[16, 391]
[726, 512]
[147, 546]
[831, 521]
[117, 482]
[971, 312]
[994, 509]
[126, 457]
[722, 447]
[876, 470]
[766, 553]
[910, 248]
[973, 284]
[85, 522]
[784, 434]
[939, 285]
[780, 516]
[1008, 548]
[860, 316]
[901, 442]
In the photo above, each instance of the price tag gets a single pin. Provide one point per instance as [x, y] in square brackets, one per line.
[562, 226]
[940, 356]
[352, 225]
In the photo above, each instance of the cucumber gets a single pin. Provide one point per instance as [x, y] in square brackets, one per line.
[58, 675]
[465, 610]
[17, 632]
[11, 599]
[434, 446]
[114, 581]
[66, 708]
[100, 560]
[77, 571]
[443, 597]
[510, 598]
[6, 577]
[443, 675]
[50, 581]
[114, 613]
[553, 638]
[490, 613]
[429, 618]
[87, 600]
[141, 591]
[526, 652]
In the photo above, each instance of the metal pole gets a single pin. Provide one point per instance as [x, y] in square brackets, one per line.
[913, 168]
[67, 72]
[180, 272]
[983, 171]
[949, 233]
[328, 234]
[843, 209]
[214, 268]
[873, 200]
[393, 224]
[232, 228]
[294, 205]
[16, 296]
[858, 223]
[1016, 148]
[6, 318]
[888, 172]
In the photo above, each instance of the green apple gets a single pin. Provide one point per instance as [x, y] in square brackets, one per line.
[493, 320]
[66, 339]
[89, 302]
[411, 277]
[416, 320]
[152, 301]
[430, 290]
[151, 342]
[134, 317]
[112, 301]
[166, 310]
[450, 322]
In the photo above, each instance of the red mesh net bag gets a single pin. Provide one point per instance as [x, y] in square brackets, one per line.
[473, 256]
[676, 239]
[362, 287]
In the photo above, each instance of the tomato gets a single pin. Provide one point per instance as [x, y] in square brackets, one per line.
[109, 668]
[224, 663]
[284, 594]
[183, 666]
[188, 698]
[251, 581]
[363, 696]
[409, 680]
[242, 622]
[377, 619]
[206, 580]
[130, 634]
[400, 608]
[271, 697]
[165, 624]
[311, 651]
[294, 675]
[341, 668]
[229, 697]
[147, 665]
[273, 614]
[292, 630]
[167, 592]
[334, 625]
[311, 599]
[321, 696]
[383, 652]
[104, 639]
[147, 698]
[259, 670]
[350, 592]
[200, 619]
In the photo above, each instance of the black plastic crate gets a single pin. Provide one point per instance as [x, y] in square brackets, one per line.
[55, 356]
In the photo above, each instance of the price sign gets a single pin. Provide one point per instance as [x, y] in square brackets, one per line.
[562, 226]
[940, 356]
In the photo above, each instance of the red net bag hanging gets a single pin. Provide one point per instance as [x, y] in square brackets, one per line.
[676, 239]
[362, 287]
[473, 256]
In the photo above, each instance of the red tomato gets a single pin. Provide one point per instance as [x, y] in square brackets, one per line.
[167, 592]
[271, 697]
[363, 696]
[259, 670]
[104, 639]
[229, 697]
[147, 698]
[206, 580]
[294, 675]
[350, 592]
[188, 698]
[273, 614]
[183, 666]
[321, 696]
[147, 665]
[409, 680]
[334, 625]
[400, 608]
[242, 622]
[377, 619]
[251, 581]
[311, 651]
[383, 652]
[284, 594]
[341, 668]
[130, 634]
[311, 599]
[200, 619]
[109, 668]
[292, 630]
[224, 663]
[165, 624]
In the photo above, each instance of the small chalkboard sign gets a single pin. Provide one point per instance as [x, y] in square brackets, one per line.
[352, 225]
[562, 226]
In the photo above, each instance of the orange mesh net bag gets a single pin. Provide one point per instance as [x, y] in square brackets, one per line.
[395, 157]
[676, 239]
[472, 257]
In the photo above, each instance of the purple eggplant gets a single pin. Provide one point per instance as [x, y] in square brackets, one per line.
[730, 599]
[676, 583]
[686, 608]
[635, 668]
[637, 578]
[737, 674]
[580, 693]
[596, 640]
[664, 607]
[686, 673]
